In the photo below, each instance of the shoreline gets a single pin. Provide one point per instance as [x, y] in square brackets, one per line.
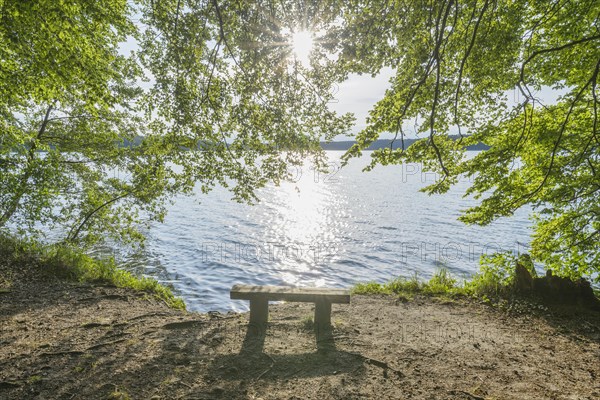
[80, 340]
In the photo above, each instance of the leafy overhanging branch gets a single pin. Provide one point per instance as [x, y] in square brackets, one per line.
[193, 106]
[541, 155]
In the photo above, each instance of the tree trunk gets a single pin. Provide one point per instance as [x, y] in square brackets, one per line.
[27, 172]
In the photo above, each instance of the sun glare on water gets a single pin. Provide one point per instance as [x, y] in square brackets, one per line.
[302, 43]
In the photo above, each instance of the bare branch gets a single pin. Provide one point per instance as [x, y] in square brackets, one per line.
[436, 93]
[464, 61]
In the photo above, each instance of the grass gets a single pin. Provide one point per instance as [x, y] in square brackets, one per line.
[441, 284]
[33, 379]
[493, 281]
[493, 284]
[307, 323]
[118, 394]
[5, 284]
[73, 264]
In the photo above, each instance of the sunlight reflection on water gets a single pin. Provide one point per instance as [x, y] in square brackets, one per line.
[324, 230]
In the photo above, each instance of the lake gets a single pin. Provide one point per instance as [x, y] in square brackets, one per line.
[325, 229]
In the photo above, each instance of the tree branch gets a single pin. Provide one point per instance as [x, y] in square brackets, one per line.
[544, 51]
[436, 93]
[558, 140]
[464, 61]
[73, 235]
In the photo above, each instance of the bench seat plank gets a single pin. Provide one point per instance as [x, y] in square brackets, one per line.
[292, 294]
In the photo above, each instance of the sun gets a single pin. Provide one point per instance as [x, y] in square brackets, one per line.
[302, 42]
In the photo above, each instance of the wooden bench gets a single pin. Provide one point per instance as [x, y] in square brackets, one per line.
[260, 296]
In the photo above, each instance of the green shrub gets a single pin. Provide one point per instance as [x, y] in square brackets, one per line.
[307, 323]
[494, 281]
[404, 285]
[12, 249]
[495, 276]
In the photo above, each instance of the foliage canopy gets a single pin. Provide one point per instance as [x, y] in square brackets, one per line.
[218, 76]
[94, 141]
[474, 68]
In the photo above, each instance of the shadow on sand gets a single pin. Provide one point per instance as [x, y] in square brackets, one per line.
[252, 362]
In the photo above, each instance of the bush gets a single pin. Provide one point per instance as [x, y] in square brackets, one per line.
[369, 288]
[495, 276]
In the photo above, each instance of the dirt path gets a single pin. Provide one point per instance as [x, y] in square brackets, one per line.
[66, 341]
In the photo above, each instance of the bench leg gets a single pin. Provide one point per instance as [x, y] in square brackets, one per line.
[259, 312]
[322, 315]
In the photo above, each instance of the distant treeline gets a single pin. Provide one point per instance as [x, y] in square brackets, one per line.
[342, 145]
[382, 143]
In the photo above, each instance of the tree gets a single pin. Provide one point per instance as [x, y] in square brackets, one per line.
[65, 101]
[94, 142]
[212, 97]
[457, 65]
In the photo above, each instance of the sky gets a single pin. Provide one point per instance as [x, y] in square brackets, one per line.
[358, 94]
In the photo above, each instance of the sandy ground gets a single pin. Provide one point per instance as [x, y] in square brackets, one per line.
[73, 341]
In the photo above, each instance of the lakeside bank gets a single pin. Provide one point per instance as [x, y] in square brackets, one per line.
[66, 340]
